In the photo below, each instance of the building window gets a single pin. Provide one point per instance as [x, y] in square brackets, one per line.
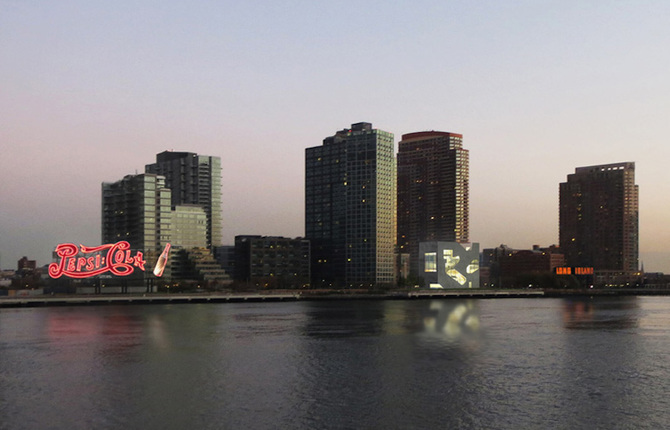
[431, 262]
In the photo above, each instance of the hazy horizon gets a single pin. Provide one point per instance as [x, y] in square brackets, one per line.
[91, 92]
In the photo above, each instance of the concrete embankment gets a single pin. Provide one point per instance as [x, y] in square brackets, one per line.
[108, 299]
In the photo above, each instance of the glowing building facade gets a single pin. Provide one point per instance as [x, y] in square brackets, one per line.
[449, 264]
[350, 206]
[433, 192]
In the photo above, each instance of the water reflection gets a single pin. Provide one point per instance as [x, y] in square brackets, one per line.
[338, 319]
[357, 356]
[602, 362]
[512, 363]
[448, 320]
[453, 319]
[94, 337]
[600, 313]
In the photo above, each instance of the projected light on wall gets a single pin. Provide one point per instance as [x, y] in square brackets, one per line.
[450, 264]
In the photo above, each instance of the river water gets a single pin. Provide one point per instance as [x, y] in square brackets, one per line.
[586, 363]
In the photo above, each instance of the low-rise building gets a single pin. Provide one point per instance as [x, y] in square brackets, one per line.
[449, 264]
[272, 261]
[521, 268]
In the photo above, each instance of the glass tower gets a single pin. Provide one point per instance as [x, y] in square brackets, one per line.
[350, 204]
[137, 209]
[194, 180]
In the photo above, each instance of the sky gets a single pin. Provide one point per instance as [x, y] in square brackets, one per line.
[91, 91]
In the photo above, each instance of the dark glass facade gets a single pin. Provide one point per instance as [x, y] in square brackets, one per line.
[350, 204]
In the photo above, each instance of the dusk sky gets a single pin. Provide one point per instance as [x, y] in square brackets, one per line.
[91, 91]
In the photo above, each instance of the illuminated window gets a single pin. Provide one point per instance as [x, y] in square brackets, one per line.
[431, 262]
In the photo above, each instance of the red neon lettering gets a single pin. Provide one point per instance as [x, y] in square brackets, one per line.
[64, 251]
[75, 264]
[129, 259]
[81, 261]
[116, 257]
[139, 260]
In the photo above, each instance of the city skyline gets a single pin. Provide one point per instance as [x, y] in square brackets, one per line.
[91, 92]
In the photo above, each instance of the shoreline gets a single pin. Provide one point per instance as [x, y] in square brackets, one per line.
[287, 295]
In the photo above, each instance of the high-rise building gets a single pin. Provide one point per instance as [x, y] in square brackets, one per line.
[194, 180]
[433, 189]
[137, 209]
[598, 218]
[350, 204]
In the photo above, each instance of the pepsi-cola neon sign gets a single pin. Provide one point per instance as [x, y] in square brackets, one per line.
[86, 261]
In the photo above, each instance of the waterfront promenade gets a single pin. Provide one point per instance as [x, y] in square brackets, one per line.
[276, 296]
[158, 298]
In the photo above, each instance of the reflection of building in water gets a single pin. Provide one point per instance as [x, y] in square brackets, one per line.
[105, 333]
[453, 319]
[600, 313]
[450, 264]
[576, 312]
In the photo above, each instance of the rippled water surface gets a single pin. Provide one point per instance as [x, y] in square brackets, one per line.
[506, 364]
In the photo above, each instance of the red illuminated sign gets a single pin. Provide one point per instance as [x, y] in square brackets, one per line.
[86, 261]
[574, 270]
[564, 270]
